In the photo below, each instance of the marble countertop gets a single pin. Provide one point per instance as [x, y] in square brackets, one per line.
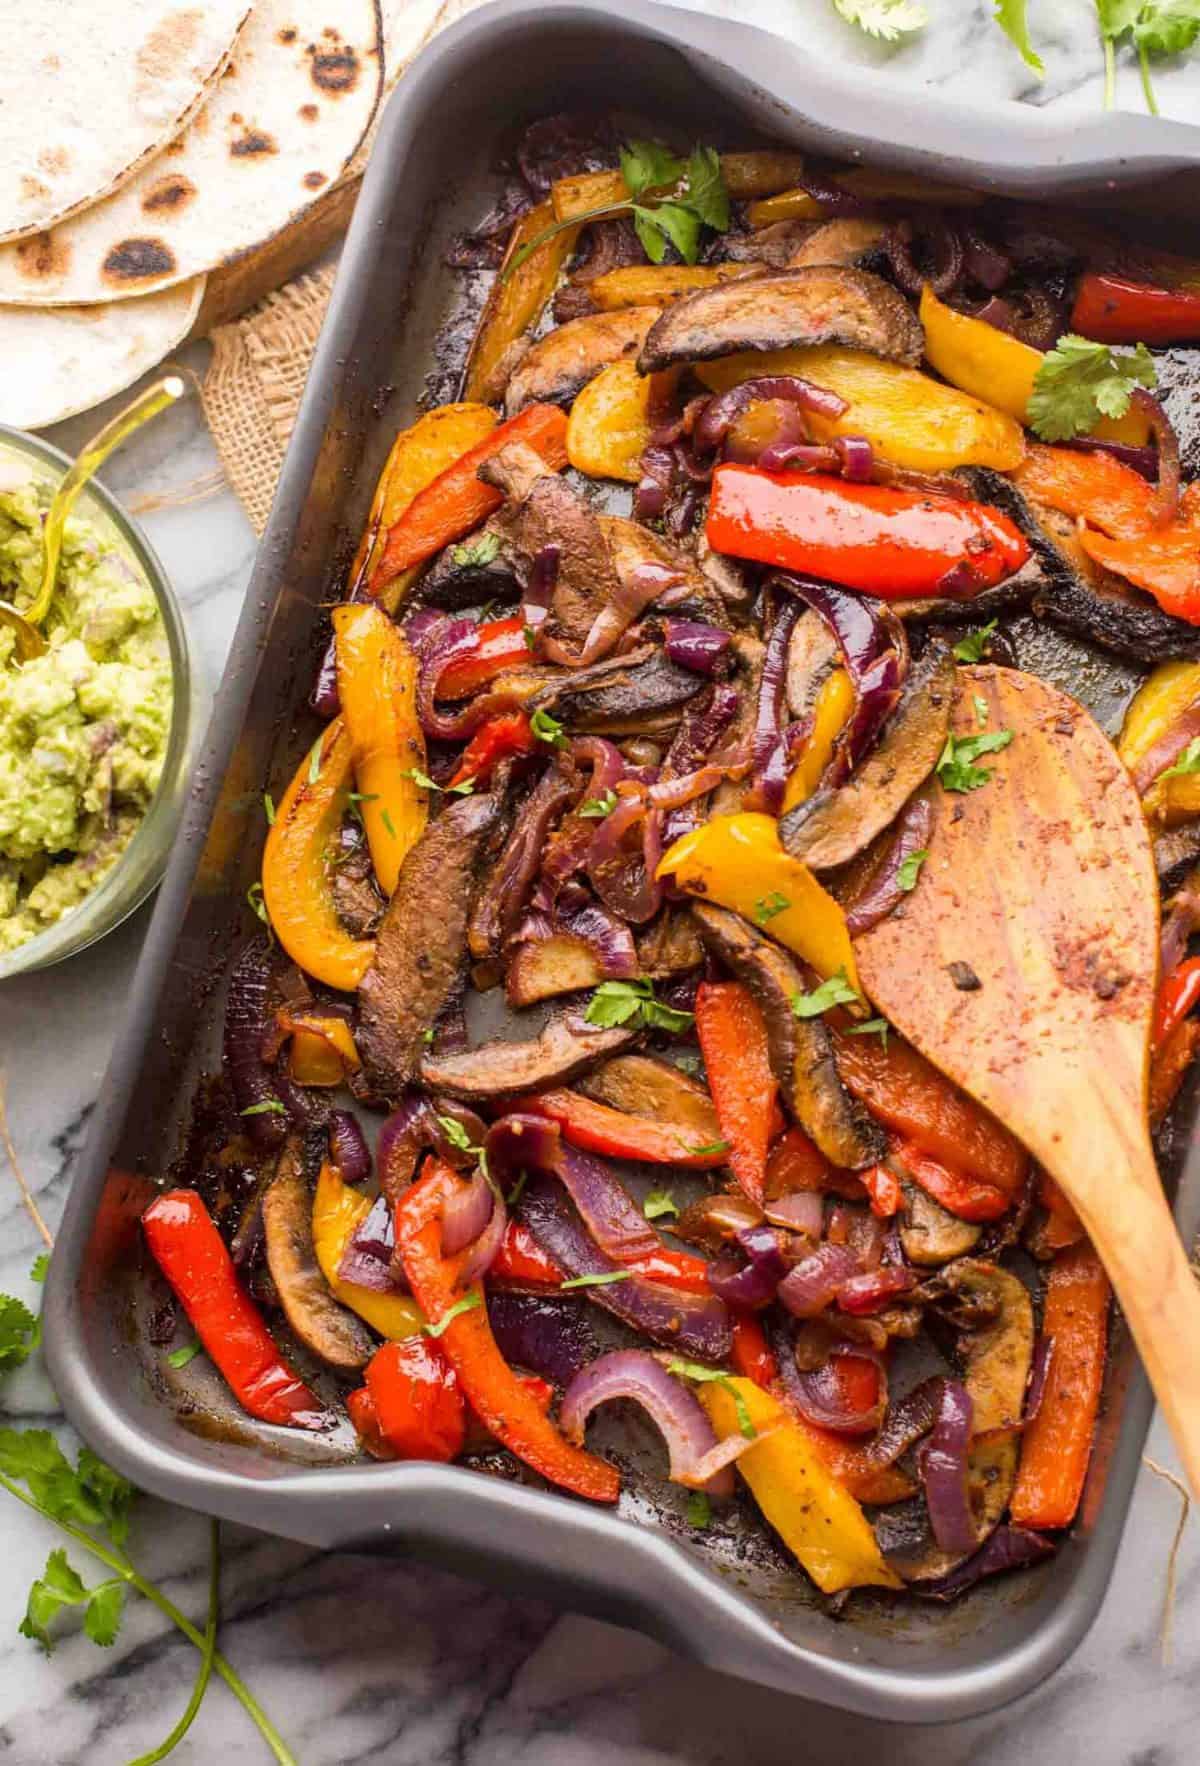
[398, 1663]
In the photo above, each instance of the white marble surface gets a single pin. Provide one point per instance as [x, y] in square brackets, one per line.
[395, 1663]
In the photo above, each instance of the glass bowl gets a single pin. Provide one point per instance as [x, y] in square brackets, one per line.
[140, 867]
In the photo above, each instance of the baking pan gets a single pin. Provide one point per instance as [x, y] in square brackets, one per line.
[726, 1597]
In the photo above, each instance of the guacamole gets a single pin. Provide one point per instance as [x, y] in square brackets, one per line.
[84, 727]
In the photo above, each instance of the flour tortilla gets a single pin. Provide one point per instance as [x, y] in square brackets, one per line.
[90, 89]
[60, 360]
[286, 116]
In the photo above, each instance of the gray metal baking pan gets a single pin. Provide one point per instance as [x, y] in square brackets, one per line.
[728, 1597]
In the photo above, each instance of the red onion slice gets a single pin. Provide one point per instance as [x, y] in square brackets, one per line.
[871, 1291]
[821, 1398]
[521, 1142]
[803, 1211]
[468, 1210]
[348, 1149]
[367, 1260]
[874, 648]
[256, 1093]
[1166, 499]
[696, 646]
[943, 1463]
[721, 412]
[697, 1459]
[814, 1282]
[882, 893]
[754, 1283]
[1009, 1548]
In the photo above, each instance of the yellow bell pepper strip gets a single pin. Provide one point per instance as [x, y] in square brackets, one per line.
[501, 1402]
[911, 419]
[295, 872]
[862, 182]
[1157, 708]
[418, 455]
[323, 1050]
[338, 1212]
[609, 426]
[377, 687]
[830, 715]
[654, 285]
[815, 1516]
[516, 301]
[988, 363]
[745, 175]
[738, 862]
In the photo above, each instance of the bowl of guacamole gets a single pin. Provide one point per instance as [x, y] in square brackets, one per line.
[94, 732]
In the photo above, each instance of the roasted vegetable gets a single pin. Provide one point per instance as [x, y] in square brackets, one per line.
[610, 427]
[563, 1050]
[558, 367]
[377, 686]
[515, 303]
[320, 1321]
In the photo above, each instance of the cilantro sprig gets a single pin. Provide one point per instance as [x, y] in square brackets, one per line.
[885, 19]
[1154, 28]
[957, 769]
[633, 1003]
[973, 647]
[671, 201]
[1011, 16]
[1081, 381]
[837, 991]
[1188, 762]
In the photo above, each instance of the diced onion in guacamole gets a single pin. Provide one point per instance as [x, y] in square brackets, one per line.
[84, 727]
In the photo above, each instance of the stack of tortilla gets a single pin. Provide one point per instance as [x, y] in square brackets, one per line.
[144, 145]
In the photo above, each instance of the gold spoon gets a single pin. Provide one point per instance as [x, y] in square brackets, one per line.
[155, 398]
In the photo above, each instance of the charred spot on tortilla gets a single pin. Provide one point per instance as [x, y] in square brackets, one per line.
[53, 160]
[333, 70]
[252, 143]
[309, 113]
[42, 258]
[137, 260]
[169, 193]
[314, 180]
[167, 49]
[288, 34]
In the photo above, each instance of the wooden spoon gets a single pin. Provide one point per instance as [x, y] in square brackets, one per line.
[1024, 964]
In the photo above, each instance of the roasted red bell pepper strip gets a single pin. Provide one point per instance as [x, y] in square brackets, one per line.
[891, 543]
[418, 1402]
[1178, 995]
[499, 645]
[883, 1187]
[361, 1408]
[1057, 1444]
[751, 1354]
[192, 1255]
[794, 1163]
[458, 500]
[966, 1197]
[500, 737]
[1063, 1226]
[521, 1259]
[1112, 309]
[1169, 1061]
[733, 1037]
[494, 1392]
[601, 1129]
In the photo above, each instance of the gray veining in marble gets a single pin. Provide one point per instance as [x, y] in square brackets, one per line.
[390, 1662]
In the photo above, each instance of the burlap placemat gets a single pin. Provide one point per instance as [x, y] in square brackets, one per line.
[252, 389]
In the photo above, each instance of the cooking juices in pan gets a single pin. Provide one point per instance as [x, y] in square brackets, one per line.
[650, 774]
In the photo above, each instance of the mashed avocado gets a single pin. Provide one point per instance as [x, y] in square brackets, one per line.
[84, 727]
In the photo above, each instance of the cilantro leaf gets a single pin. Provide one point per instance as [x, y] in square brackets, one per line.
[910, 869]
[424, 783]
[972, 647]
[598, 807]
[1010, 15]
[269, 808]
[474, 554]
[547, 728]
[709, 1147]
[112, 1493]
[59, 1585]
[1081, 381]
[314, 761]
[33, 1457]
[873, 1027]
[1167, 27]
[468, 1303]
[188, 1353]
[648, 165]
[837, 991]
[698, 1508]
[268, 1107]
[658, 1204]
[604, 1280]
[41, 1265]
[885, 19]
[633, 1002]
[767, 906]
[704, 189]
[957, 770]
[455, 1133]
[102, 1621]
[256, 903]
[1188, 762]
[20, 1333]
[695, 1370]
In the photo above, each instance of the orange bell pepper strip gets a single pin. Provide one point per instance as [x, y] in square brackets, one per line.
[1063, 1226]
[601, 1129]
[910, 1096]
[458, 500]
[516, 300]
[1165, 562]
[963, 1196]
[1105, 493]
[417, 1400]
[499, 646]
[1113, 309]
[295, 873]
[377, 687]
[891, 543]
[192, 1255]
[1178, 995]
[323, 1051]
[502, 1404]
[733, 1039]
[509, 733]
[883, 1187]
[1168, 1064]
[794, 1163]
[1057, 1444]
[361, 1408]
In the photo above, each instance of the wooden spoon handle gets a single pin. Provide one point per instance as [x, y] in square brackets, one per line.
[1160, 1297]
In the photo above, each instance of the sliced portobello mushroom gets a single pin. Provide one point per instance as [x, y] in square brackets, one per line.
[422, 942]
[801, 1048]
[544, 510]
[817, 304]
[638, 694]
[670, 945]
[543, 968]
[358, 902]
[559, 365]
[852, 241]
[734, 581]
[929, 1233]
[500, 902]
[321, 1323]
[750, 654]
[633, 547]
[836, 824]
[478, 569]
[566, 1047]
[773, 246]
[1175, 852]
[642, 1085]
[813, 655]
[994, 1316]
